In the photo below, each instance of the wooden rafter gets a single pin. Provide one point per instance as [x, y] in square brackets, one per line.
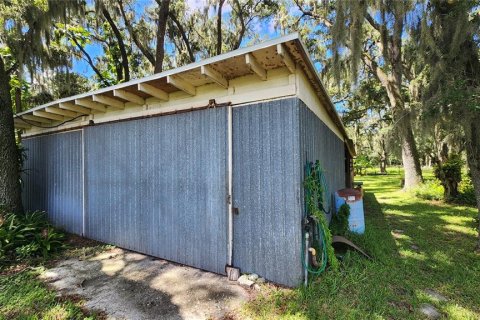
[115, 103]
[287, 59]
[65, 113]
[29, 117]
[74, 108]
[153, 91]
[214, 75]
[91, 104]
[182, 85]
[255, 66]
[129, 96]
[48, 115]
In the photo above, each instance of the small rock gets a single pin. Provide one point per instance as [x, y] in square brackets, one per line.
[398, 231]
[253, 277]
[430, 311]
[245, 282]
[260, 280]
[257, 287]
[415, 248]
[435, 295]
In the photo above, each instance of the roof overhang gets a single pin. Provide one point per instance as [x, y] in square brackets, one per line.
[287, 51]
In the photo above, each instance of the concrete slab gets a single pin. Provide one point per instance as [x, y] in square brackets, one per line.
[129, 285]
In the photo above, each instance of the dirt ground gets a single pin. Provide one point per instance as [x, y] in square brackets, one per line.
[128, 285]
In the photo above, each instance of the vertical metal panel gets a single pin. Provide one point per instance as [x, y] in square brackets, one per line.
[318, 142]
[159, 186]
[266, 189]
[53, 178]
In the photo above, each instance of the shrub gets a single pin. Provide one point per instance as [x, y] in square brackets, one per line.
[449, 173]
[430, 190]
[27, 236]
[339, 223]
[466, 193]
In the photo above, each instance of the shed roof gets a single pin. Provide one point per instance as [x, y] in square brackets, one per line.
[287, 51]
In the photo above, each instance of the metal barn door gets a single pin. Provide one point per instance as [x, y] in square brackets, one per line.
[159, 186]
[52, 178]
[266, 188]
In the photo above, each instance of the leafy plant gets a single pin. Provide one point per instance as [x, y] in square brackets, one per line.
[430, 190]
[316, 206]
[26, 236]
[449, 173]
[339, 223]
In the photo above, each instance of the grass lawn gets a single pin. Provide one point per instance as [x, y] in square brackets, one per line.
[24, 296]
[395, 284]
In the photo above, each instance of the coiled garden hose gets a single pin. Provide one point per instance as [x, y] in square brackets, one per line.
[318, 232]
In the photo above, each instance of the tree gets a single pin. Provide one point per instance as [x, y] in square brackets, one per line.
[449, 37]
[25, 26]
[377, 42]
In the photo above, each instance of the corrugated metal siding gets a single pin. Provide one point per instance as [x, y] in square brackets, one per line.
[318, 142]
[158, 186]
[53, 178]
[266, 189]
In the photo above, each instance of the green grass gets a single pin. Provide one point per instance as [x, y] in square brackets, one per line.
[24, 296]
[393, 285]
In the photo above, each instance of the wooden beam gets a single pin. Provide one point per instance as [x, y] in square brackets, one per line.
[48, 115]
[66, 113]
[36, 119]
[129, 96]
[153, 91]
[74, 108]
[90, 104]
[287, 59]
[109, 101]
[214, 75]
[182, 85]
[20, 124]
[254, 66]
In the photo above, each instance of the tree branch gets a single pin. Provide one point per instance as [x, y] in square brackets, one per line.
[310, 13]
[146, 52]
[121, 44]
[183, 34]
[88, 59]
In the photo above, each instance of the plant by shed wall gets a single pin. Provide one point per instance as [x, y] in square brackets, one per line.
[318, 142]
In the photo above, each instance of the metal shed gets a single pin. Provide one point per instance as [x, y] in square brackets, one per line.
[201, 165]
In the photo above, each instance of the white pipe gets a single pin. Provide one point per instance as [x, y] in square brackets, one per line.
[83, 183]
[230, 182]
[306, 257]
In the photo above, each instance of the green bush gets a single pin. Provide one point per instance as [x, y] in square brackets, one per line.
[430, 190]
[27, 236]
[466, 193]
[339, 223]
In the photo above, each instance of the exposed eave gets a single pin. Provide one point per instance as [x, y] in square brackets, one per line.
[287, 51]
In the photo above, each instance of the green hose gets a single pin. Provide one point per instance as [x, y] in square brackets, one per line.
[316, 176]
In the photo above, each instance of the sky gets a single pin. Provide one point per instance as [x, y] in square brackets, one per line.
[266, 30]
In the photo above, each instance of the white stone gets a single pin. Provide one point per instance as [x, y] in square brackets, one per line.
[253, 277]
[245, 282]
[430, 311]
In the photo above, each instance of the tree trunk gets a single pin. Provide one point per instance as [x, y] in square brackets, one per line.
[219, 27]
[121, 45]
[383, 158]
[472, 133]
[10, 189]
[161, 29]
[411, 163]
